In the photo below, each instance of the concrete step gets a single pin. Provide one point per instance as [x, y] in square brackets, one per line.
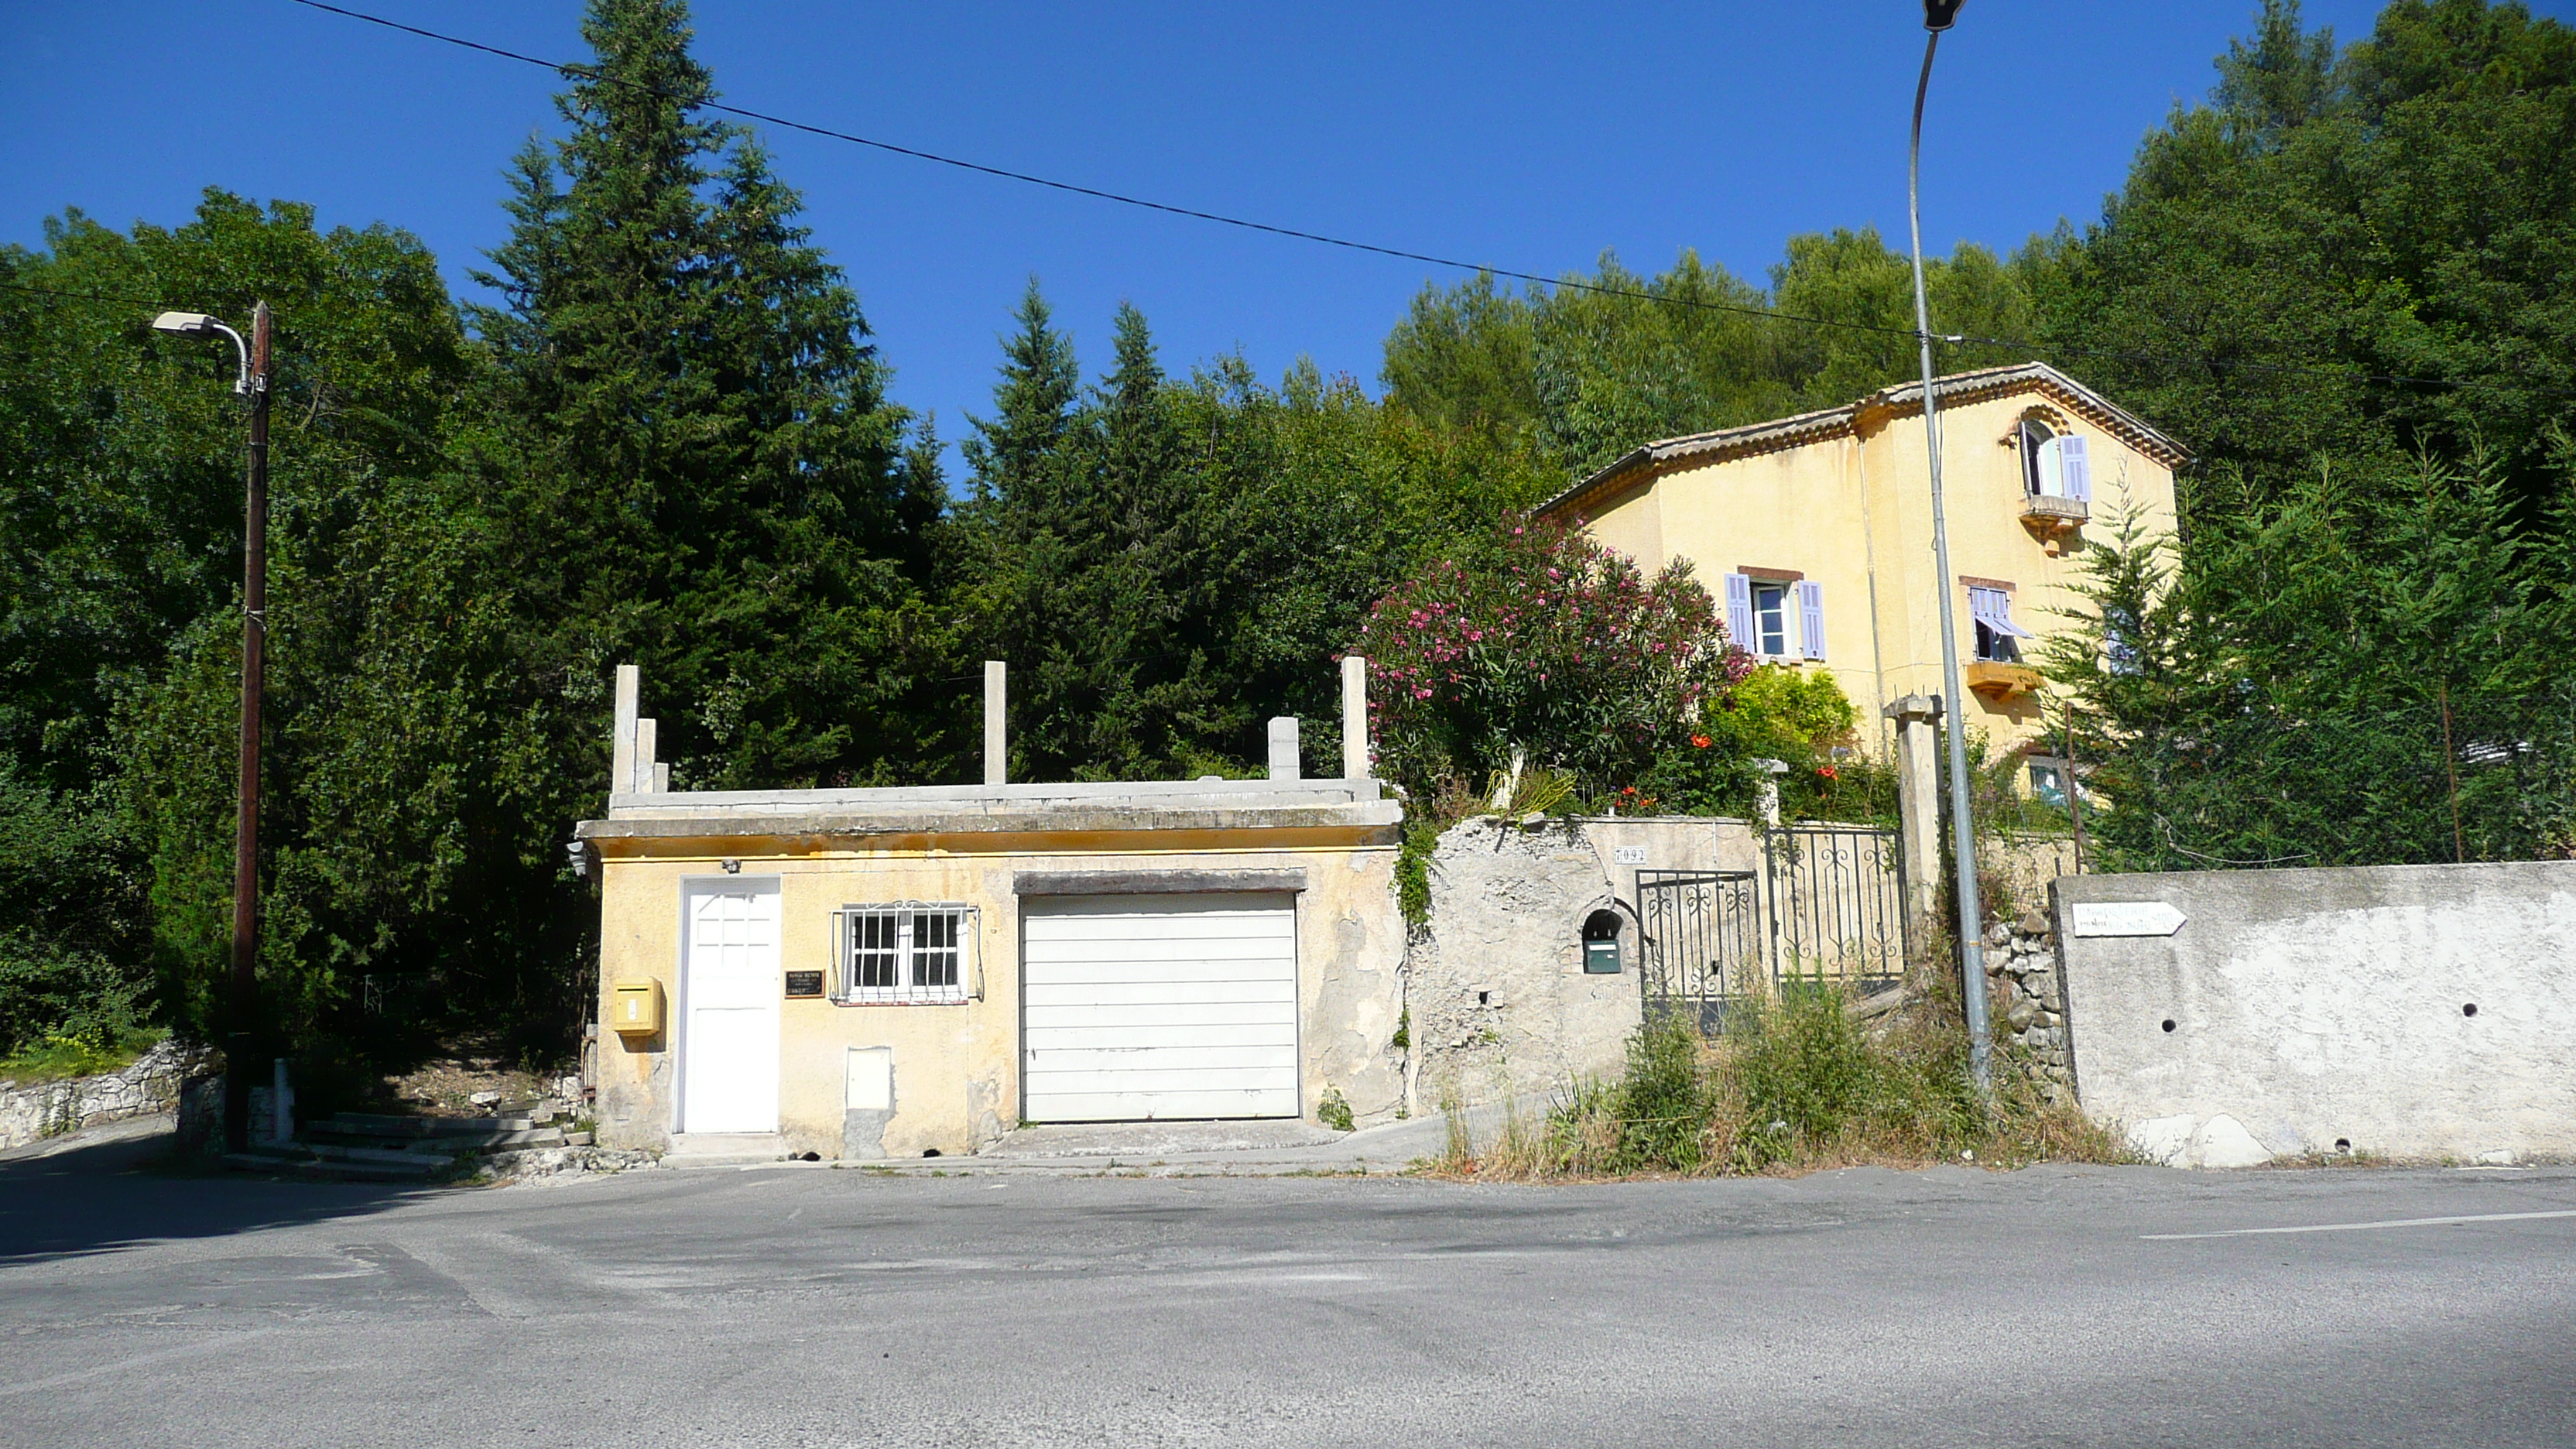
[314, 1167]
[424, 1160]
[724, 1149]
[441, 1142]
[380, 1124]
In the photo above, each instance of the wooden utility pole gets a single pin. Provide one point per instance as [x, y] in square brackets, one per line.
[242, 1042]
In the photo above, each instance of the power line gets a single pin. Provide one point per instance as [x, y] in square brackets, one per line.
[1193, 213]
[2024, 345]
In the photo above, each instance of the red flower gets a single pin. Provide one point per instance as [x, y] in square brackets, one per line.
[1699, 742]
[1828, 772]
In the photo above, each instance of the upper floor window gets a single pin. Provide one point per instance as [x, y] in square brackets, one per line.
[903, 953]
[1771, 619]
[1998, 637]
[2054, 464]
[1776, 617]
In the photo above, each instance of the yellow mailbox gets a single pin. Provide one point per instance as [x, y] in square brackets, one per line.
[636, 1008]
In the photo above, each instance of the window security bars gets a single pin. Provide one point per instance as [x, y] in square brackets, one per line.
[908, 952]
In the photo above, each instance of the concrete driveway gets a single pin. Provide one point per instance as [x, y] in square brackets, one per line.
[813, 1307]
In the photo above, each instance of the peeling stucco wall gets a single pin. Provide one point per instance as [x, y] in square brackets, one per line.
[1499, 998]
[2412, 1011]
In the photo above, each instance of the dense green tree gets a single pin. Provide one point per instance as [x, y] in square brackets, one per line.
[2364, 667]
[393, 755]
[2360, 253]
[1586, 370]
[700, 472]
[1167, 563]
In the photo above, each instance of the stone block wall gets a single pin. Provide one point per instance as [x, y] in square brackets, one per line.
[2026, 989]
[50, 1109]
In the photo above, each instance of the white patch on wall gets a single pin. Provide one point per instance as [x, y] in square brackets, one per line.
[1629, 855]
[871, 1079]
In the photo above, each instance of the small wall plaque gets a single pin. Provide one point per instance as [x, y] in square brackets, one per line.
[804, 983]
[2127, 918]
[1629, 855]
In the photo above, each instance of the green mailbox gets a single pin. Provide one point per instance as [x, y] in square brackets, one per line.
[1601, 944]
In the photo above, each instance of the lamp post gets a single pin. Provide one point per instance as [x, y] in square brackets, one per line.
[1939, 15]
[251, 382]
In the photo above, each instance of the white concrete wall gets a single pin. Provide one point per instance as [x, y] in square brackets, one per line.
[2311, 1007]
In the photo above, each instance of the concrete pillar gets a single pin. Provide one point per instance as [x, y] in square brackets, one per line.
[997, 743]
[1284, 764]
[1918, 805]
[621, 744]
[1355, 726]
[648, 738]
[1766, 795]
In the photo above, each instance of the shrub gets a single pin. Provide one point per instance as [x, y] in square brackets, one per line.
[1799, 717]
[1661, 1102]
[1536, 636]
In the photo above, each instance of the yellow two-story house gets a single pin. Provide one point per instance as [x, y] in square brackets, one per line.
[1815, 533]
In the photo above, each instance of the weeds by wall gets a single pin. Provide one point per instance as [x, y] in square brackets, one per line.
[1794, 1083]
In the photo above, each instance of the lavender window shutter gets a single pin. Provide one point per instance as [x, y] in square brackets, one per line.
[1986, 607]
[1811, 618]
[2077, 463]
[1739, 611]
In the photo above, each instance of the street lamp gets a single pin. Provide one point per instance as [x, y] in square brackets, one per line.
[250, 381]
[1939, 15]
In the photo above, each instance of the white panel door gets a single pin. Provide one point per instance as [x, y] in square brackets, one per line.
[1137, 1007]
[729, 1044]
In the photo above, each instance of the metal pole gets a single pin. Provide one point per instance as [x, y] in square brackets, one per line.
[238, 1046]
[1963, 832]
[2074, 797]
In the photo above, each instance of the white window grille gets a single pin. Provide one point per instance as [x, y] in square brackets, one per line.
[907, 952]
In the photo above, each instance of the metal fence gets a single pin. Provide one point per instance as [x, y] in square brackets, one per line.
[1827, 906]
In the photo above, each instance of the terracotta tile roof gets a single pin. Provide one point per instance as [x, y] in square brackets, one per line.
[1904, 399]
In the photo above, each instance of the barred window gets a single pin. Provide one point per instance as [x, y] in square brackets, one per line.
[903, 953]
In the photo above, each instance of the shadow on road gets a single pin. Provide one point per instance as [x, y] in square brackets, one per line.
[125, 1190]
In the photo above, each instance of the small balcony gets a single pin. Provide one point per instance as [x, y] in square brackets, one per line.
[2050, 518]
[2000, 682]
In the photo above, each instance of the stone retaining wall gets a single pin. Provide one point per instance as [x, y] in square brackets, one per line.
[2026, 988]
[51, 1109]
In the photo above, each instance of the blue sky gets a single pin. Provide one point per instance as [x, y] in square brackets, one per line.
[1529, 137]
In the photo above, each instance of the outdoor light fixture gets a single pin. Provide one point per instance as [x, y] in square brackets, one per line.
[198, 324]
[243, 1038]
[1941, 14]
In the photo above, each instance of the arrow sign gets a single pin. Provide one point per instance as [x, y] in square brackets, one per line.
[2128, 918]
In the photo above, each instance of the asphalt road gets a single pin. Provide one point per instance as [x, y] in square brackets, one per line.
[810, 1307]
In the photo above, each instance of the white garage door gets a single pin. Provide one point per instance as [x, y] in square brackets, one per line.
[1136, 1007]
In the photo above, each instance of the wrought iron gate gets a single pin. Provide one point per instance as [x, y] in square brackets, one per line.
[1836, 898]
[1701, 940]
[1827, 906]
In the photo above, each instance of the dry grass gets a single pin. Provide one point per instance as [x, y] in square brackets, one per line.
[1794, 1085]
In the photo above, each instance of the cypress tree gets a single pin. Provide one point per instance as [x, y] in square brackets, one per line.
[705, 477]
